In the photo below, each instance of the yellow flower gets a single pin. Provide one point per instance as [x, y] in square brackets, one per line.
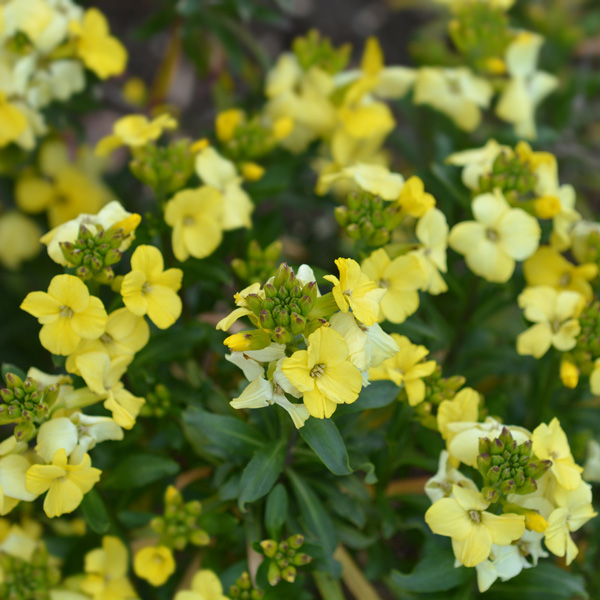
[65, 483]
[68, 314]
[400, 279]
[242, 310]
[205, 586]
[527, 87]
[550, 443]
[154, 564]
[125, 334]
[375, 179]
[478, 161]
[103, 376]
[19, 239]
[574, 509]
[464, 407]
[100, 52]
[432, 233]
[323, 373]
[499, 236]
[569, 373]
[106, 570]
[555, 315]
[473, 530]
[406, 368]
[221, 174]
[455, 92]
[149, 289]
[12, 121]
[549, 267]
[195, 215]
[595, 378]
[252, 171]
[355, 290]
[227, 122]
[413, 198]
[134, 131]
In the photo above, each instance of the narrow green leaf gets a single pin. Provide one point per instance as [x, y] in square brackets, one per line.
[314, 515]
[376, 395]
[232, 437]
[323, 437]
[329, 587]
[276, 511]
[139, 470]
[94, 512]
[261, 473]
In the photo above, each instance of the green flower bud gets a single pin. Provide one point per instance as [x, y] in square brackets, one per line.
[301, 559]
[490, 494]
[297, 324]
[484, 462]
[273, 573]
[199, 537]
[266, 320]
[269, 548]
[496, 447]
[13, 381]
[254, 303]
[289, 574]
[493, 475]
[341, 215]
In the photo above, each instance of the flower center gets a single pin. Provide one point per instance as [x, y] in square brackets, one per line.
[384, 283]
[491, 234]
[475, 516]
[146, 288]
[188, 220]
[317, 370]
[106, 338]
[565, 279]
[66, 312]
[348, 293]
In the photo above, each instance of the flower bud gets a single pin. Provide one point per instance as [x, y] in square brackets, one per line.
[273, 574]
[269, 548]
[289, 574]
[484, 462]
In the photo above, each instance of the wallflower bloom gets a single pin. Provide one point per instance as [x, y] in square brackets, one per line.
[549, 267]
[65, 483]
[432, 233]
[499, 236]
[401, 278]
[100, 52]
[440, 485]
[555, 315]
[573, 511]
[134, 131]
[455, 92]
[205, 586]
[221, 174]
[414, 200]
[406, 368]
[12, 121]
[155, 564]
[19, 239]
[106, 572]
[355, 290]
[68, 314]
[103, 377]
[527, 87]
[464, 407]
[375, 179]
[550, 443]
[323, 373]
[149, 289]
[195, 216]
[472, 529]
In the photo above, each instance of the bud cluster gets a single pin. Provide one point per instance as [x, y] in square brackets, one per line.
[25, 405]
[180, 523]
[507, 468]
[315, 51]
[368, 218]
[23, 580]
[250, 139]
[93, 255]
[259, 263]
[588, 340]
[511, 175]
[244, 590]
[158, 401]
[284, 312]
[481, 33]
[165, 169]
[437, 389]
[283, 558]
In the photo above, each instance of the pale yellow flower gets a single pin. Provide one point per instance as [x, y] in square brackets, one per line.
[555, 315]
[401, 279]
[464, 407]
[473, 530]
[498, 237]
[155, 564]
[414, 200]
[19, 239]
[355, 290]
[432, 233]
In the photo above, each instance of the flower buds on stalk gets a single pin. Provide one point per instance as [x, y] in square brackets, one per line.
[284, 557]
[508, 468]
[259, 263]
[244, 590]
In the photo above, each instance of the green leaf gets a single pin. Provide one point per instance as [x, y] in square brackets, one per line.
[314, 515]
[94, 512]
[232, 437]
[139, 470]
[434, 573]
[276, 511]
[325, 440]
[132, 519]
[377, 395]
[261, 473]
[545, 582]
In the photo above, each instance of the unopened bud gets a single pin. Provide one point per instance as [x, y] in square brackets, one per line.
[269, 548]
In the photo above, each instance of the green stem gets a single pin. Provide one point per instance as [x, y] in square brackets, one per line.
[329, 588]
